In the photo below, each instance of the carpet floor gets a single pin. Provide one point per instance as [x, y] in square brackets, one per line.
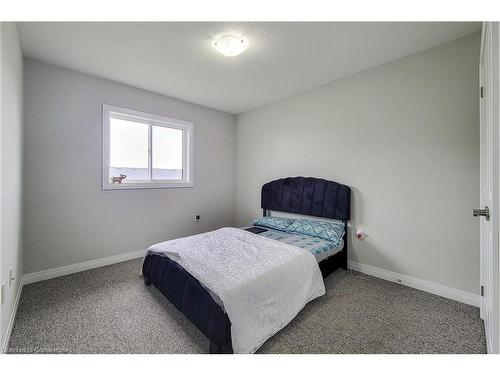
[110, 310]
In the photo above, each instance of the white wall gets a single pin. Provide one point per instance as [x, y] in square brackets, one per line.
[405, 137]
[67, 218]
[11, 167]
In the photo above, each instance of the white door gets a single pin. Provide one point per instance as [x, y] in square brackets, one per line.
[489, 139]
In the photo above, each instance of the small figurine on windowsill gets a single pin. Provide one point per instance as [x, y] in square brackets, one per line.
[118, 180]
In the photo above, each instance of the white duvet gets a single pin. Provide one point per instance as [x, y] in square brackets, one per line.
[262, 283]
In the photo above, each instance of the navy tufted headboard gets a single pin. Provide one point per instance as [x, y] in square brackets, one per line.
[308, 196]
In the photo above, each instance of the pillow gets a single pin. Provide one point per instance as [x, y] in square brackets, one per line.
[328, 231]
[273, 222]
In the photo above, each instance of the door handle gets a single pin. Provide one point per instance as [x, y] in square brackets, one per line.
[482, 212]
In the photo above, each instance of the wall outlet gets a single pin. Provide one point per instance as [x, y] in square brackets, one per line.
[197, 218]
[11, 275]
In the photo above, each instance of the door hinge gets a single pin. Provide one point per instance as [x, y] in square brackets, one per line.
[481, 92]
[482, 290]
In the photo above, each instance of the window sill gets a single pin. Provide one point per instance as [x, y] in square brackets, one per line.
[146, 186]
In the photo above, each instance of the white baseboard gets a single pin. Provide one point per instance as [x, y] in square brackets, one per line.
[12, 317]
[426, 286]
[78, 267]
[488, 338]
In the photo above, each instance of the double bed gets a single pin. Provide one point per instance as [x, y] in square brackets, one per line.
[238, 286]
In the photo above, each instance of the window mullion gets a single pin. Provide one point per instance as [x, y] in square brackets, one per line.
[150, 152]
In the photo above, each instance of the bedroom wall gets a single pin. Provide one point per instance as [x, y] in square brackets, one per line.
[11, 93]
[68, 219]
[405, 137]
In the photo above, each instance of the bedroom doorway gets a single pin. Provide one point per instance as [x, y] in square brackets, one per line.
[489, 182]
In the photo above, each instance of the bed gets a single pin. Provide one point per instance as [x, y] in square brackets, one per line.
[294, 195]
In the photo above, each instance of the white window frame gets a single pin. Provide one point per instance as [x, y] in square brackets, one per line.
[187, 127]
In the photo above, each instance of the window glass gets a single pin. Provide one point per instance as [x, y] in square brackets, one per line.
[128, 151]
[167, 153]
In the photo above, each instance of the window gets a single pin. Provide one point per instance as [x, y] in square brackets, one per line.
[142, 150]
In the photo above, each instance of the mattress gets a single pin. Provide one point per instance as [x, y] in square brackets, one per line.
[320, 248]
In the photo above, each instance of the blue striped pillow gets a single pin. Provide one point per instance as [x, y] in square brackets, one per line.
[328, 231]
[279, 223]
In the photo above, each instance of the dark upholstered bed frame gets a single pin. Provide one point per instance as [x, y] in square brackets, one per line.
[299, 195]
[312, 197]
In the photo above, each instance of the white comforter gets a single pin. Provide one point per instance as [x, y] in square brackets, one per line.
[262, 283]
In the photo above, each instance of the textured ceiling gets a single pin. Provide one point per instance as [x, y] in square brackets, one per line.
[176, 59]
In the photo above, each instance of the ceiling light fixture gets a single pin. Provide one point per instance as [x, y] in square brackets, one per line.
[230, 45]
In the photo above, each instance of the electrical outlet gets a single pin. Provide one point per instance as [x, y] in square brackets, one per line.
[11, 275]
[197, 218]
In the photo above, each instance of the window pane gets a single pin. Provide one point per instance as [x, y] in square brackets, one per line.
[167, 153]
[128, 151]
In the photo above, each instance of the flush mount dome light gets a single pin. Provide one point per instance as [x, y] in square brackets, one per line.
[230, 45]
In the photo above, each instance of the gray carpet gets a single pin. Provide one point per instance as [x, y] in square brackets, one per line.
[110, 310]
